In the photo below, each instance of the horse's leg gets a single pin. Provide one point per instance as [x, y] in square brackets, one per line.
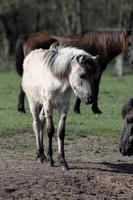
[77, 106]
[61, 137]
[21, 99]
[42, 123]
[95, 108]
[38, 124]
[50, 132]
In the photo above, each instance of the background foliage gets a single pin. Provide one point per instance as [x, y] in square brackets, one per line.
[59, 17]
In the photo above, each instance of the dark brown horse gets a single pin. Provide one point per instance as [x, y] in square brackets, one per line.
[108, 44]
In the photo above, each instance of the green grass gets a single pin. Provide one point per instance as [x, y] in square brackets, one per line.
[113, 94]
[11, 121]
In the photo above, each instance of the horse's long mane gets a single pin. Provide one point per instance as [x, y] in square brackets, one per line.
[106, 40]
[102, 42]
[59, 57]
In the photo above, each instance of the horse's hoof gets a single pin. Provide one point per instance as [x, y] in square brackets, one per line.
[64, 167]
[50, 163]
[76, 111]
[21, 110]
[40, 160]
[96, 111]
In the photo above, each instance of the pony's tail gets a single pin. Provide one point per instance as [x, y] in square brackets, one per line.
[19, 53]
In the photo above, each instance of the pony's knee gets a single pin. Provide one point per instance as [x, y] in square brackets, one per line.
[36, 124]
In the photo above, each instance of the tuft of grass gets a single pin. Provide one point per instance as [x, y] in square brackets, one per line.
[113, 94]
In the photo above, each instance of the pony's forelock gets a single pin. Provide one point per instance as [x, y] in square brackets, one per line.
[59, 58]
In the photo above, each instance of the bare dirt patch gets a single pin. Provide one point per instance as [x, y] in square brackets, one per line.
[97, 170]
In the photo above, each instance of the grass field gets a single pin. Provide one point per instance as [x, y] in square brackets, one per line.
[113, 93]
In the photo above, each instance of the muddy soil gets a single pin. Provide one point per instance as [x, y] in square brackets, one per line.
[97, 170]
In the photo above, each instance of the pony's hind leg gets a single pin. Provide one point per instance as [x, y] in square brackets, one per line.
[38, 125]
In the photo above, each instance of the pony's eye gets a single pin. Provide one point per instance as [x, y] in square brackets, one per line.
[83, 76]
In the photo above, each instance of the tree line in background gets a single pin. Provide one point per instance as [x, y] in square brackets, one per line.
[59, 17]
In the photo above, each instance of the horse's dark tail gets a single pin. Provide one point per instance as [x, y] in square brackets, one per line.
[19, 53]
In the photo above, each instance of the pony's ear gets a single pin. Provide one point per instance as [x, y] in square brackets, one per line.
[81, 58]
[96, 58]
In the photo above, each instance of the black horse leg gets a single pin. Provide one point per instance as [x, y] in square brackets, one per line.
[77, 106]
[95, 108]
[21, 99]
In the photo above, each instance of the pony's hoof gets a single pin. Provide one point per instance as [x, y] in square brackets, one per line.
[50, 163]
[64, 167]
[40, 160]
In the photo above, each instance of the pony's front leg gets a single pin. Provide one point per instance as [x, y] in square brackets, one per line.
[61, 137]
[38, 125]
[50, 132]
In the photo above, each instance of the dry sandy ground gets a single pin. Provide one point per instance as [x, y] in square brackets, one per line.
[97, 171]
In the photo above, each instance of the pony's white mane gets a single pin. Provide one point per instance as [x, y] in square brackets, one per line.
[59, 58]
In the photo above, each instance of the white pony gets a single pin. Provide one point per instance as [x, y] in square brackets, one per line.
[48, 79]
